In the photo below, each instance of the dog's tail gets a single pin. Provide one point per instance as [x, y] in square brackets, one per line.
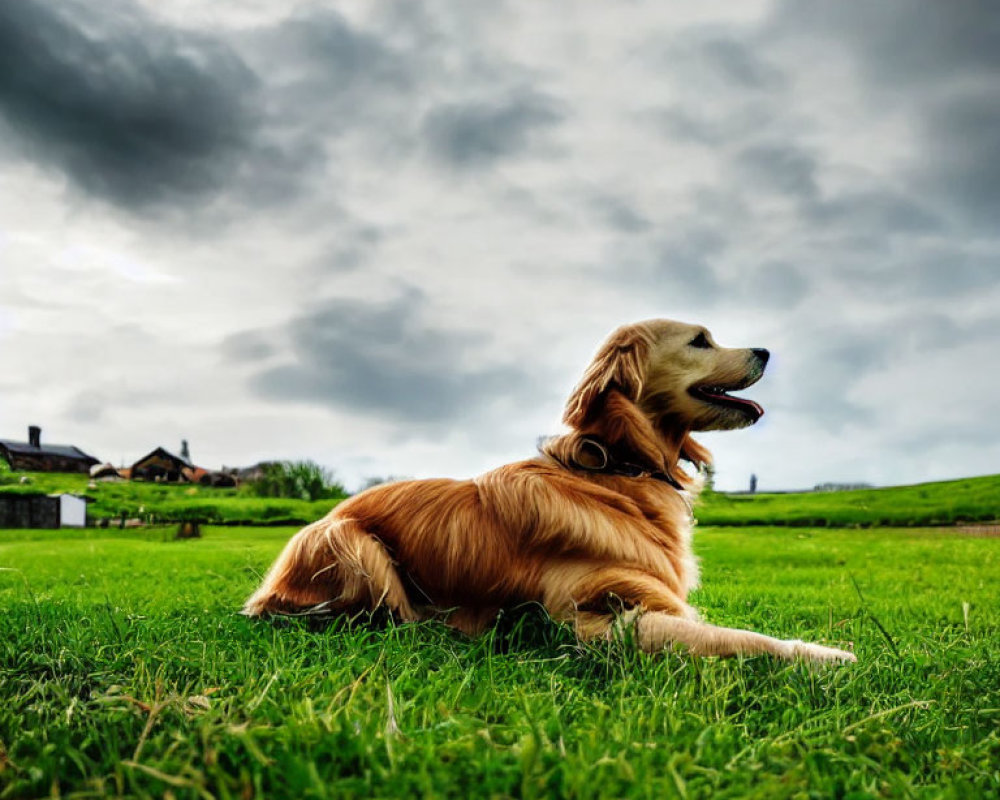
[332, 566]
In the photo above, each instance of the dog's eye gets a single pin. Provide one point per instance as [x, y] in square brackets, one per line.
[700, 341]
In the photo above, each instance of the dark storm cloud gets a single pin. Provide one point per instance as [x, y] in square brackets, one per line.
[131, 110]
[932, 272]
[354, 248]
[480, 133]
[904, 42]
[715, 60]
[788, 169]
[385, 360]
[146, 114]
[726, 84]
[737, 63]
[775, 284]
[782, 167]
[856, 217]
[326, 73]
[334, 52]
[714, 126]
[684, 125]
[686, 263]
[877, 211]
[897, 223]
[963, 152]
[678, 268]
[620, 214]
[939, 62]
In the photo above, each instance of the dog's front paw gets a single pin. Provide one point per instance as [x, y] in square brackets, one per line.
[818, 653]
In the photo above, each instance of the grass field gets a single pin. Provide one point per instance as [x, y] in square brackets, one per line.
[124, 671]
[941, 503]
[169, 502]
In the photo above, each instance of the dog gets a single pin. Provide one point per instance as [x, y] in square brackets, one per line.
[596, 528]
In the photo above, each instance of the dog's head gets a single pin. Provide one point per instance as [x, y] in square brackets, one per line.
[675, 374]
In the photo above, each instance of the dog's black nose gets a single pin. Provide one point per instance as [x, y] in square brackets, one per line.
[762, 354]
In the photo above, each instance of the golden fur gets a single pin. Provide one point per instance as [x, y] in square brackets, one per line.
[596, 527]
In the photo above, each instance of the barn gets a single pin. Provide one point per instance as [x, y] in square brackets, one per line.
[35, 510]
[159, 465]
[33, 456]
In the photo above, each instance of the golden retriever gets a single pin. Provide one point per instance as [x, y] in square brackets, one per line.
[596, 528]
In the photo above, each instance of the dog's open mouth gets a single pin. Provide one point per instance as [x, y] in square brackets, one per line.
[719, 396]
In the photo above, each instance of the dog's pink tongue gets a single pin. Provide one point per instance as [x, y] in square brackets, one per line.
[758, 409]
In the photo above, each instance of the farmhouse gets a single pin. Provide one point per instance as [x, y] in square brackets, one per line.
[159, 465]
[162, 465]
[34, 510]
[36, 457]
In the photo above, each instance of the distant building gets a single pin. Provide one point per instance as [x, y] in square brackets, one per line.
[840, 487]
[33, 456]
[104, 472]
[207, 477]
[34, 510]
[194, 474]
[162, 465]
[253, 473]
[159, 465]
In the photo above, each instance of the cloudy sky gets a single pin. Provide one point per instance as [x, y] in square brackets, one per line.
[389, 236]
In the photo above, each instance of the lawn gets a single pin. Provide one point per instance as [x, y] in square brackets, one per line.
[124, 671]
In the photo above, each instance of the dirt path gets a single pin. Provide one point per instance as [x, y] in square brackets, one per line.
[989, 529]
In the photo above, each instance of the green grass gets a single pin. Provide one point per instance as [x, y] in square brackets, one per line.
[942, 503]
[171, 502]
[124, 671]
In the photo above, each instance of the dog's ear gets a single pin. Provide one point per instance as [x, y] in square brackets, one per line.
[620, 363]
[694, 452]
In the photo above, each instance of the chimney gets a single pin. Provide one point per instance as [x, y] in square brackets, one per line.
[34, 436]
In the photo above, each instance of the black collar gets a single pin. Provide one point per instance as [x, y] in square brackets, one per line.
[609, 465]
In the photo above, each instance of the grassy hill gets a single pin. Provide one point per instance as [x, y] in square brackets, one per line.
[171, 502]
[941, 503]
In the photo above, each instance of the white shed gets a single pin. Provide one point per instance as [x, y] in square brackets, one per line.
[72, 511]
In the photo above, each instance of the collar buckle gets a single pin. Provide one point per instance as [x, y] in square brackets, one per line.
[606, 464]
